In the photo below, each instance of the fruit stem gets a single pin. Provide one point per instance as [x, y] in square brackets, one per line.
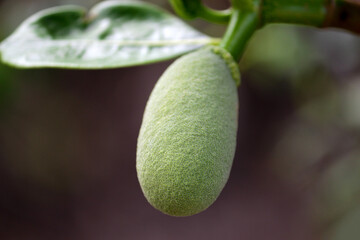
[242, 26]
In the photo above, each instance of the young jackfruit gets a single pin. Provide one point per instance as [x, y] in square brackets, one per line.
[187, 139]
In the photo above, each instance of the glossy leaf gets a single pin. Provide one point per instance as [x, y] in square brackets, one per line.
[112, 34]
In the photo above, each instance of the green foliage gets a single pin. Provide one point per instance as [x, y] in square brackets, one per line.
[188, 136]
[112, 34]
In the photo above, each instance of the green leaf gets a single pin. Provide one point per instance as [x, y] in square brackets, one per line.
[113, 34]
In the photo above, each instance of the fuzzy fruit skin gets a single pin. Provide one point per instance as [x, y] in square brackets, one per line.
[187, 139]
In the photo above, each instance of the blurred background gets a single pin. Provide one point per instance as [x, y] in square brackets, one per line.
[68, 144]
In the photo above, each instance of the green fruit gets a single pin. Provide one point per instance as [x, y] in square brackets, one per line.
[188, 136]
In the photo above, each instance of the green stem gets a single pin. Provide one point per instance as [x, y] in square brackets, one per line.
[190, 9]
[185, 8]
[242, 26]
[215, 16]
[343, 14]
[307, 12]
